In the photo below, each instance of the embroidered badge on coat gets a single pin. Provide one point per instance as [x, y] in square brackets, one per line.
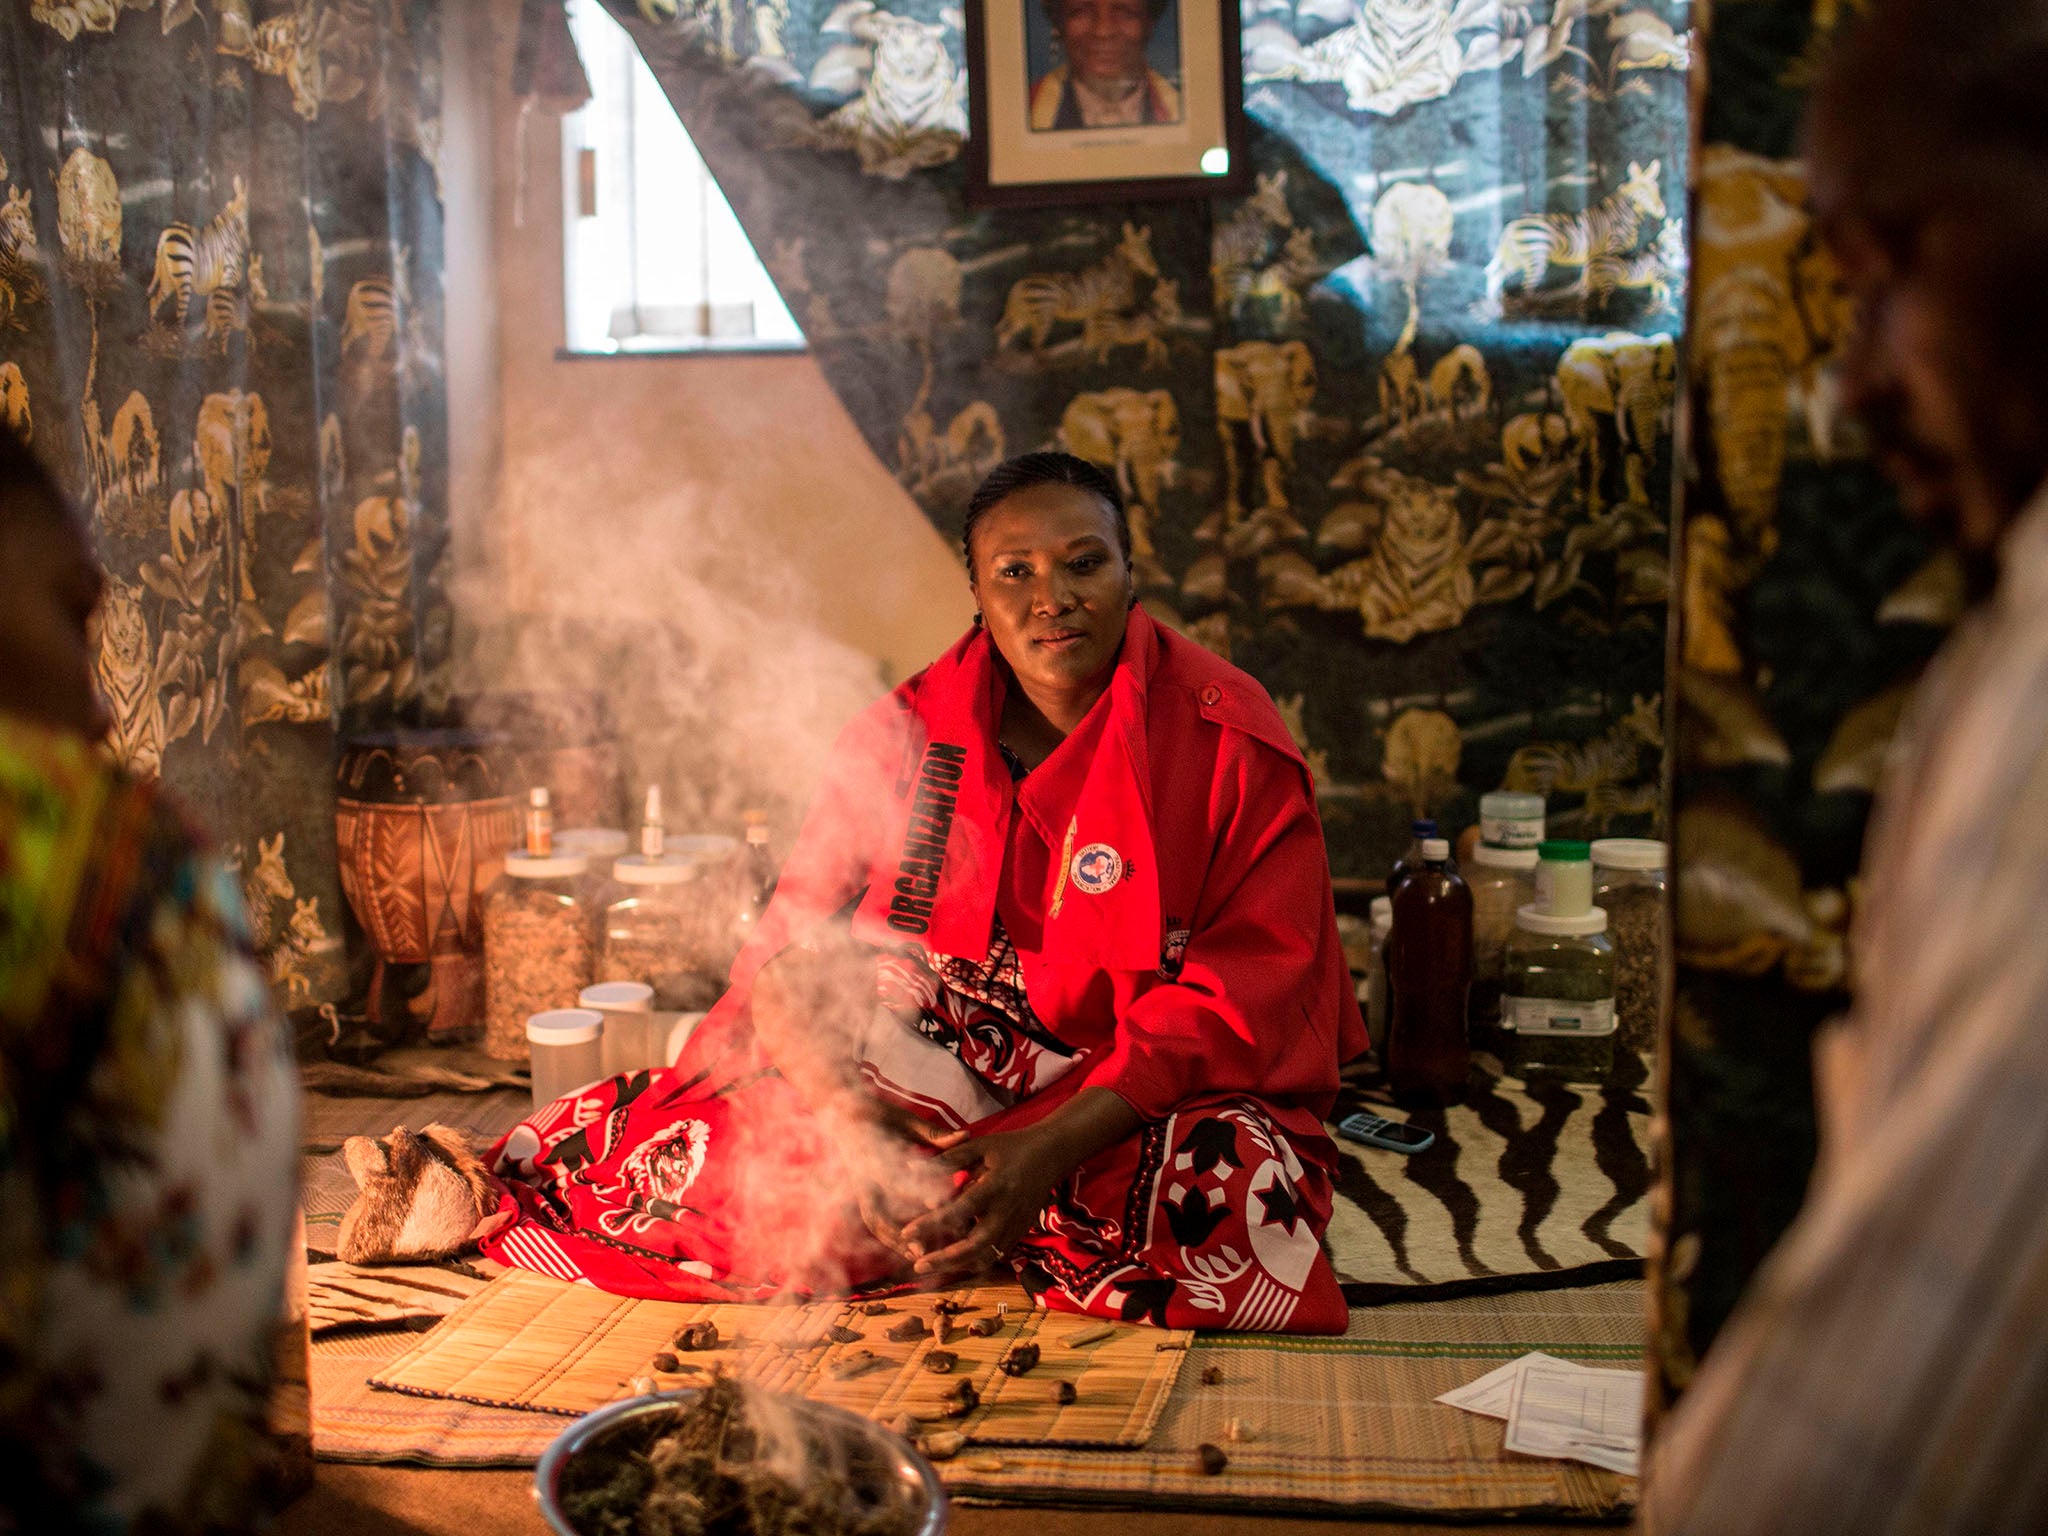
[1174, 955]
[1097, 868]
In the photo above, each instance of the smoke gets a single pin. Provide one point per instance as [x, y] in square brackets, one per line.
[726, 694]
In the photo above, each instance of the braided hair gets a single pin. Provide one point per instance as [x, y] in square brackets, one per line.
[1032, 469]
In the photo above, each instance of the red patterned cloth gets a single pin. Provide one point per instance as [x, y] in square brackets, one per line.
[1147, 913]
[705, 1182]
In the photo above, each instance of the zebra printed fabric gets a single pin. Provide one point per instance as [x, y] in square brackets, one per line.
[1527, 1184]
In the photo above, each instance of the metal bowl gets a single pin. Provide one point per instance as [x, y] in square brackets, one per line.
[922, 1492]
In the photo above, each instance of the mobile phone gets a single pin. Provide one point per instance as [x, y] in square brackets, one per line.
[1378, 1131]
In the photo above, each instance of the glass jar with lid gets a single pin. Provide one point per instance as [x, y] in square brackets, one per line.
[1557, 996]
[1503, 881]
[658, 926]
[1629, 882]
[540, 946]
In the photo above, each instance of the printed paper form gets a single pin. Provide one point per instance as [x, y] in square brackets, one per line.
[1559, 1409]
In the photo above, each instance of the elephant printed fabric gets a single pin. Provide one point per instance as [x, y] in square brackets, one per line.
[1393, 420]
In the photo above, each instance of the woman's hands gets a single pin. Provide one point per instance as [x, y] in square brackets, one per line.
[1011, 1175]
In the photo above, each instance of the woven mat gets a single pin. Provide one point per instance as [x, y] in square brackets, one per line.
[384, 1295]
[1527, 1185]
[531, 1342]
[1336, 1425]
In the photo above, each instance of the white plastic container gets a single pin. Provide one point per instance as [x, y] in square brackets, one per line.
[628, 1009]
[567, 1049]
[1510, 819]
[1377, 1003]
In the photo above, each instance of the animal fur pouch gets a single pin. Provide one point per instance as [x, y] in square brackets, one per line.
[418, 1196]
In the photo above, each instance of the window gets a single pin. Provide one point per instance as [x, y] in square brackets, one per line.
[654, 259]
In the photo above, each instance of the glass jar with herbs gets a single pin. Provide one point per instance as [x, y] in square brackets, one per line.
[659, 926]
[539, 945]
[1629, 882]
[1557, 996]
[1503, 881]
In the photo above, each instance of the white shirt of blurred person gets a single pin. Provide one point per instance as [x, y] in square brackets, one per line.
[1107, 80]
[148, 1105]
[1888, 1369]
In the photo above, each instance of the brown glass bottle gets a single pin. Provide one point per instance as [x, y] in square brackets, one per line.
[1425, 1053]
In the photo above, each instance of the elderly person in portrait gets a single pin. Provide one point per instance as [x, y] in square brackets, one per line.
[1106, 81]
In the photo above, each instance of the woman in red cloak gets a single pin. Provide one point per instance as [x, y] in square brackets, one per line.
[1051, 983]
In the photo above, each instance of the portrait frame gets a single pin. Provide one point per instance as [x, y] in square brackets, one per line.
[1018, 155]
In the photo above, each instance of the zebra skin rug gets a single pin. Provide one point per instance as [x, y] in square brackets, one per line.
[1526, 1186]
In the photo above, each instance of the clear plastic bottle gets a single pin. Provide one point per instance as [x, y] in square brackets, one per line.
[539, 945]
[1557, 998]
[1629, 882]
[1425, 1054]
[755, 878]
[1503, 881]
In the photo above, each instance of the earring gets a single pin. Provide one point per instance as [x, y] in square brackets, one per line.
[977, 618]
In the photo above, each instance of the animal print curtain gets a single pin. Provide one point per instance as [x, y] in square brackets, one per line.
[1395, 425]
[1808, 608]
[219, 322]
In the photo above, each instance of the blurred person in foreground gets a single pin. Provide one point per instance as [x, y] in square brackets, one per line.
[1888, 1369]
[1050, 985]
[148, 1110]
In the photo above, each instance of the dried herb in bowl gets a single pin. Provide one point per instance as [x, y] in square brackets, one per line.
[715, 1468]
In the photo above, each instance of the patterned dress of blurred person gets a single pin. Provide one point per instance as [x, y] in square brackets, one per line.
[1051, 985]
[1887, 1371]
[148, 1109]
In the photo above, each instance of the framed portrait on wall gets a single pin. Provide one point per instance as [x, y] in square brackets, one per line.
[1080, 101]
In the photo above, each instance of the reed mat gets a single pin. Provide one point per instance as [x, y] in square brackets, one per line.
[384, 1295]
[1527, 1185]
[528, 1341]
[1327, 1426]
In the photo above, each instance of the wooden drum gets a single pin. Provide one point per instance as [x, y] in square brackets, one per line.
[423, 819]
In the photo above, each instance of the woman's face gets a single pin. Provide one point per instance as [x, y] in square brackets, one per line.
[1104, 39]
[49, 587]
[1053, 586]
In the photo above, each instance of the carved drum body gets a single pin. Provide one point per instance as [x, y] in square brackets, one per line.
[423, 819]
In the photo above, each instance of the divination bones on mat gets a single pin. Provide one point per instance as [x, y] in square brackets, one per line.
[419, 1195]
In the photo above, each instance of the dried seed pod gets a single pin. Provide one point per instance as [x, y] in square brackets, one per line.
[855, 1364]
[961, 1401]
[698, 1336]
[876, 1309]
[839, 1333]
[943, 1444]
[1089, 1336]
[1065, 1392]
[1020, 1360]
[667, 1362]
[942, 1329]
[640, 1386]
[911, 1327]
[1211, 1458]
[1212, 1375]
[940, 1362]
[985, 1327]
[947, 1307]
